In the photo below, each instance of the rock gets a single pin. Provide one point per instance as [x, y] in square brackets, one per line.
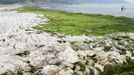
[109, 69]
[78, 38]
[131, 36]
[50, 70]
[100, 67]
[115, 57]
[66, 71]
[68, 56]
[12, 64]
[86, 53]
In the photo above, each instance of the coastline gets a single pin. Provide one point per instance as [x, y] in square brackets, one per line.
[4, 7]
[27, 51]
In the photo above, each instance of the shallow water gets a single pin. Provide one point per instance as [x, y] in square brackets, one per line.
[106, 9]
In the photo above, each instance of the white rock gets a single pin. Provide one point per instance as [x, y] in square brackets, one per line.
[50, 70]
[68, 56]
[12, 64]
[115, 57]
[67, 71]
[131, 36]
[100, 67]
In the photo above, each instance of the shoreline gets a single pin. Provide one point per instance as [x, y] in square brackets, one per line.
[27, 51]
[89, 13]
[5, 7]
[93, 24]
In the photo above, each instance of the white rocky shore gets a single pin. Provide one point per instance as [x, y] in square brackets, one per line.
[25, 51]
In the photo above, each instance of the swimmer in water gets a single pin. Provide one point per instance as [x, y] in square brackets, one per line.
[123, 8]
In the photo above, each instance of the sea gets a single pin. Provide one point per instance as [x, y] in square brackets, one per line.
[113, 9]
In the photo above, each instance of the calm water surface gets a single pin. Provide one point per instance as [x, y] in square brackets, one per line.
[106, 9]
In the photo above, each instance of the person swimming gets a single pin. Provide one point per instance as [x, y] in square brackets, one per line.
[123, 8]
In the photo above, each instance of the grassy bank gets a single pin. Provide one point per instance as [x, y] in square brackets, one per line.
[77, 23]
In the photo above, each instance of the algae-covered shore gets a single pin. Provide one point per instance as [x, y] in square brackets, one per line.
[45, 42]
[79, 24]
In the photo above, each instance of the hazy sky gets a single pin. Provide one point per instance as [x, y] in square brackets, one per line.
[130, 1]
[89, 1]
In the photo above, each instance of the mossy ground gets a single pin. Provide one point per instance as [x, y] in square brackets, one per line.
[125, 69]
[79, 24]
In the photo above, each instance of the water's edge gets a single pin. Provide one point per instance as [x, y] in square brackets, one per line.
[105, 9]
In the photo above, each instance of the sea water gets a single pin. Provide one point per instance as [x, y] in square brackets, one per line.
[105, 9]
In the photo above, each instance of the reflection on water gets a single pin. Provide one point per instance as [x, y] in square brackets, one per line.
[107, 9]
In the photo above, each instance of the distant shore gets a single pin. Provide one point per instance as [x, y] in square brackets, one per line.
[9, 6]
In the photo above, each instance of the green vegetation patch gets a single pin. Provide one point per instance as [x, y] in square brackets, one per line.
[124, 69]
[78, 23]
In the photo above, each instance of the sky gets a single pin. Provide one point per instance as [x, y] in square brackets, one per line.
[89, 1]
[109, 1]
[130, 1]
